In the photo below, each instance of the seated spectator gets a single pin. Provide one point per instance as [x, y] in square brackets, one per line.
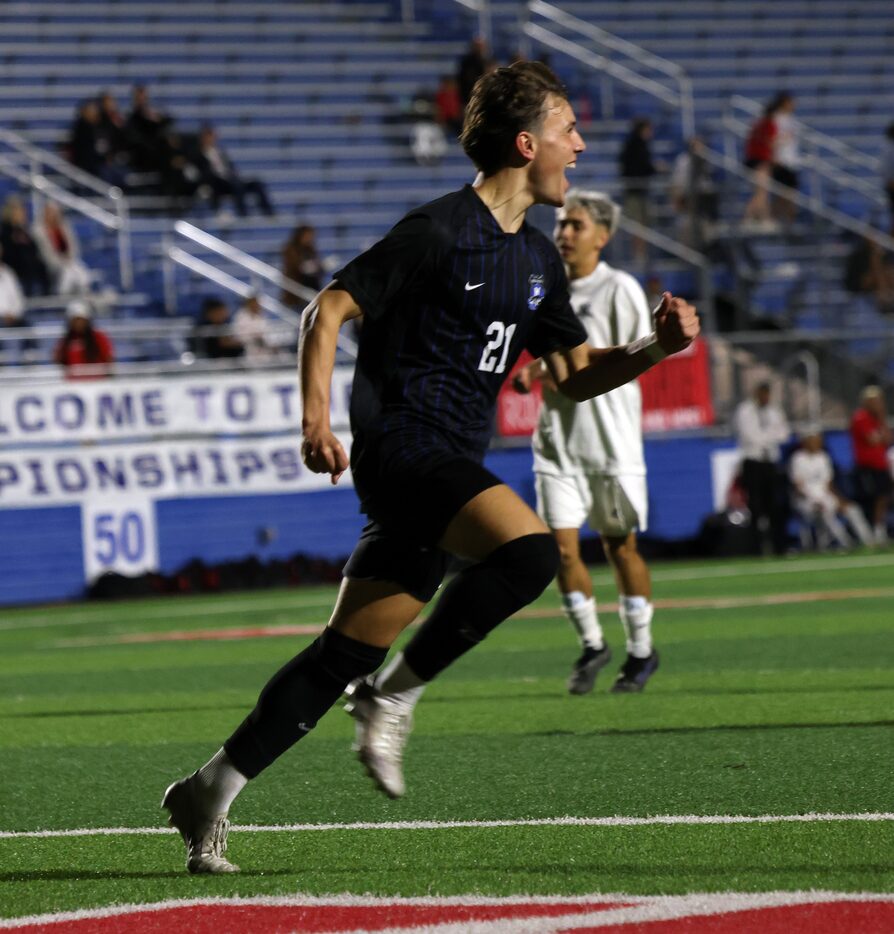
[145, 130]
[473, 64]
[12, 300]
[85, 351]
[817, 500]
[89, 148]
[301, 262]
[20, 251]
[60, 251]
[252, 329]
[112, 127]
[212, 337]
[220, 175]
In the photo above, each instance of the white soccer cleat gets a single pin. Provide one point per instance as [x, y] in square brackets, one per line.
[205, 837]
[381, 733]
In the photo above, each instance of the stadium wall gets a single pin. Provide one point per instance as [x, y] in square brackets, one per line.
[42, 549]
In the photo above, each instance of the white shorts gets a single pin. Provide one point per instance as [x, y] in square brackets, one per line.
[613, 506]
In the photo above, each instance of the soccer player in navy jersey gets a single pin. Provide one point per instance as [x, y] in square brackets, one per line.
[449, 297]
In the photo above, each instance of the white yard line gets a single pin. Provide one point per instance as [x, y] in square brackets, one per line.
[656, 820]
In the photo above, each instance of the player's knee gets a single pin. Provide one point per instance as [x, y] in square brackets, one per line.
[619, 550]
[569, 555]
[345, 659]
[527, 564]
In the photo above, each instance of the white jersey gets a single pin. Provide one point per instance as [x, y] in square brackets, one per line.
[812, 472]
[602, 435]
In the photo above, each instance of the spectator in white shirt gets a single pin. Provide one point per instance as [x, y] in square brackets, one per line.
[60, 251]
[252, 329]
[816, 499]
[12, 299]
[761, 428]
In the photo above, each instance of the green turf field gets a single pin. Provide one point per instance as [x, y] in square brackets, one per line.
[775, 697]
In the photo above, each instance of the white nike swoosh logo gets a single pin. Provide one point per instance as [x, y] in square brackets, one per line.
[471, 288]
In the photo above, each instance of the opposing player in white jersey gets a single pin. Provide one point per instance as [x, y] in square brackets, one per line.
[588, 457]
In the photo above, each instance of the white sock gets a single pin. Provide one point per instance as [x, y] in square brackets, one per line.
[881, 534]
[836, 529]
[398, 684]
[636, 617]
[219, 782]
[581, 612]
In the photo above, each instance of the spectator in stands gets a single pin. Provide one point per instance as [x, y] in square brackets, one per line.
[474, 63]
[252, 329]
[220, 175]
[761, 428]
[786, 156]
[20, 250]
[85, 351]
[213, 338]
[449, 105]
[301, 262]
[60, 251]
[12, 299]
[636, 170]
[887, 170]
[693, 193]
[871, 437]
[759, 156]
[145, 130]
[869, 270]
[113, 126]
[89, 147]
[12, 313]
[816, 499]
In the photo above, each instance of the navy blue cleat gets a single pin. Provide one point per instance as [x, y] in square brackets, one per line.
[634, 674]
[583, 675]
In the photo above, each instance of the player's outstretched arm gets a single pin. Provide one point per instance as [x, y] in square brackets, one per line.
[321, 451]
[584, 372]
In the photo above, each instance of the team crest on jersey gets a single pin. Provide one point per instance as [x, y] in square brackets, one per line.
[535, 296]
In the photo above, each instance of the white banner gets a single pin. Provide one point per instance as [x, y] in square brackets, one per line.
[157, 471]
[212, 404]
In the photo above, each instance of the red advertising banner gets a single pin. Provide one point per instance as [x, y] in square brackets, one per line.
[676, 394]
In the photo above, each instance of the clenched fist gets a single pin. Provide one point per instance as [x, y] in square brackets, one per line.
[676, 323]
[322, 452]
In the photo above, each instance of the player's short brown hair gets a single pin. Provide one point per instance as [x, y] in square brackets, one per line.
[504, 103]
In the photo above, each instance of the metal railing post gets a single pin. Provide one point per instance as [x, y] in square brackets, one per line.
[169, 286]
[125, 254]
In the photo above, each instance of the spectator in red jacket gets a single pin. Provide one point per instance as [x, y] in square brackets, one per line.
[759, 155]
[871, 438]
[85, 351]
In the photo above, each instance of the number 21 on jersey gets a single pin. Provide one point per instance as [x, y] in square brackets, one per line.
[493, 357]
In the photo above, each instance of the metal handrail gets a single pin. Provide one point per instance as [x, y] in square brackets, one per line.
[116, 218]
[258, 271]
[682, 98]
[809, 203]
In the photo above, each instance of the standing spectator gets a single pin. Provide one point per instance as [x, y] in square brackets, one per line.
[85, 351]
[20, 251]
[220, 175]
[145, 130]
[252, 329]
[786, 156]
[759, 155]
[60, 251]
[871, 438]
[213, 338]
[868, 270]
[761, 428]
[693, 193]
[301, 262]
[449, 105]
[887, 169]
[637, 169]
[89, 147]
[816, 499]
[472, 66]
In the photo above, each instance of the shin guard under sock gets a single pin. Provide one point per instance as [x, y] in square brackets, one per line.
[297, 696]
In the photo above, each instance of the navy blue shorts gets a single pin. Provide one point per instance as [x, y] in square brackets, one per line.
[410, 498]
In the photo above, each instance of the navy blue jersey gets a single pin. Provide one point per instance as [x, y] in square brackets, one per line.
[449, 301]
